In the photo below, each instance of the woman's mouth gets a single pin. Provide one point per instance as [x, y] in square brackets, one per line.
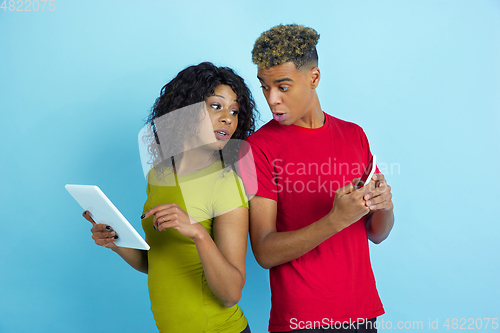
[222, 134]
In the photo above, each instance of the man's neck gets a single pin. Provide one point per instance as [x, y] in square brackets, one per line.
[315, 119]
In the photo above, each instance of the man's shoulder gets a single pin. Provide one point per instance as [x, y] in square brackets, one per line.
[272, 134]
[268, 132]
[343, 124]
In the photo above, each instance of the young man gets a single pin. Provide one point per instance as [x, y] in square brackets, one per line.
[309, 224]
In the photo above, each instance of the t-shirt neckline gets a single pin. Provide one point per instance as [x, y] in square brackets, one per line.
[309, 130]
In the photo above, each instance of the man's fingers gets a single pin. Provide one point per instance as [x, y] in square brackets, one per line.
[385, 205]
[345, 190]
[375, 201]
[377, 188]
[381, 189]
[379, 180]
[379, 199]
[367, 190]
[357, 182]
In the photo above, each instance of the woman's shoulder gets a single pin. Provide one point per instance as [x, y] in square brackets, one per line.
[161, 175]
[229, 190]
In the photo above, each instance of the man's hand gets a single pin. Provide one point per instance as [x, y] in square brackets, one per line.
[349, 206]
[379, 200]
[381, 197]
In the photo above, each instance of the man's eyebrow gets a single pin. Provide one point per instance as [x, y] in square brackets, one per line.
[287, 79]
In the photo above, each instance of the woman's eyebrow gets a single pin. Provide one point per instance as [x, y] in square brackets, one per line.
[224, 98]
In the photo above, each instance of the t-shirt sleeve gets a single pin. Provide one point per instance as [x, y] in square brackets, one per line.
[366, 148]
[229, 193]
[257, 172]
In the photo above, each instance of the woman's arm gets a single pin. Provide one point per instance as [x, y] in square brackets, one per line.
[138, 259]
[103, 235]
[223, 260]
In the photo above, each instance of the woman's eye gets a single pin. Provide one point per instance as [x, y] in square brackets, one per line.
[215, 106]
[235, 112]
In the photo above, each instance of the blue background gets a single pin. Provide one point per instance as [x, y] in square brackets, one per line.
[421, 77]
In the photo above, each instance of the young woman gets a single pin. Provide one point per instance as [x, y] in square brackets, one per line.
[196, 215]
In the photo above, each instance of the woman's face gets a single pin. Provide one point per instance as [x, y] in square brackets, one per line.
[222, 108]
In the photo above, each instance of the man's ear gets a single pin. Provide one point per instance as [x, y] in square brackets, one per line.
[315, 77]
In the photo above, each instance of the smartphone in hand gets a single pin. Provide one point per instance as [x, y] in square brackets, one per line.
[369, 171]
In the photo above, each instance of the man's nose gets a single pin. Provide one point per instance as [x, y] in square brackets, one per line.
[273, 98]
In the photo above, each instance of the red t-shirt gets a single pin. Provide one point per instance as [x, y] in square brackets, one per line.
[301, 169]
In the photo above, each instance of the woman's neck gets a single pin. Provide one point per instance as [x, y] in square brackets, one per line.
[194, 160]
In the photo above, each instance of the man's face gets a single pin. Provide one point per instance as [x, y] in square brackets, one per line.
[289, 92]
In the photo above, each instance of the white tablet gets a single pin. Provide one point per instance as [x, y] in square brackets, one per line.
[102, 210]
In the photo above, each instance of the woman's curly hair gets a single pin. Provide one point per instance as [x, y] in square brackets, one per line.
[284, 43]
[192, 85]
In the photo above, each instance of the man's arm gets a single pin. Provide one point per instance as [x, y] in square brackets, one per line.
[381, 218]
[272, 248]
[379, 225]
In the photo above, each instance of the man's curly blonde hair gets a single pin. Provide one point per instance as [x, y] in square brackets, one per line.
[284, 43]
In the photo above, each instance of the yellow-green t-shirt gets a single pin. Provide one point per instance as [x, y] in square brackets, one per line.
[181, 300]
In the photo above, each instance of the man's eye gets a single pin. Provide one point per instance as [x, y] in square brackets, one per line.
[264, 87]
[215, 106]
[283, 88]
